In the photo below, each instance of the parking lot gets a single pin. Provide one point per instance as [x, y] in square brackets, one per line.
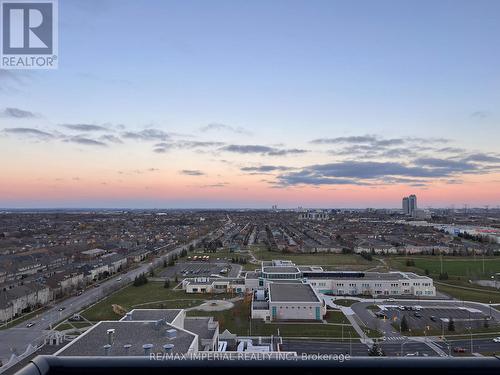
[201, 268]
[435, 317]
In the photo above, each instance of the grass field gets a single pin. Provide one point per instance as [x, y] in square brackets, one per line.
[237, 321]
[320, 259]
[468, 292]
[467, 267]
[150, 296]
[333, 316]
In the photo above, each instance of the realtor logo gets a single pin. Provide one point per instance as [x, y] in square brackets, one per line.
[28, 34]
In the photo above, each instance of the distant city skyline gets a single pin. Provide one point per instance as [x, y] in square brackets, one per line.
[223, 104]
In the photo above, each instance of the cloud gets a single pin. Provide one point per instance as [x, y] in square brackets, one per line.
[197, 144]
[375, 141]
[110, 138]
[84, 127]
[451, 150]
[85, 141]
[445, 164]
[223, 127]
[482, 158]
[353, 139]
[191, 172]
[30, 132]
[265, 168]
[259, 149]
[10, 80]
[369, 172]
[147, 135]
[480, 114]
[216, 185]
[17, 113]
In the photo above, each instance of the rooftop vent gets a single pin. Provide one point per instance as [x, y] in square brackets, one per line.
[168, 348]
[159, 323]
[107, 348]
[127, 348]
[111, 335]
[171, 333]
[147, 348]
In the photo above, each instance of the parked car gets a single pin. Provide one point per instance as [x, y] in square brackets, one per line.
[75, 318]
[30, 324]
[459, 349]
[496, 339]
[391, 300]
[119, 279]
[417, 315]
[433, 318]
[62, 308]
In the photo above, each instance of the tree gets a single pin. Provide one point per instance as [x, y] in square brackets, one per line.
[451, 325]
[443, 276]
[427, 272]
[376, 351]
[140, 280]
[404, 324]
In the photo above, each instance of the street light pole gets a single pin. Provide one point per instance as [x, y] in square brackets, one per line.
[470, 331]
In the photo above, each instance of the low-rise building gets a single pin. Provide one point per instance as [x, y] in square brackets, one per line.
[142, 332]
[288, 301]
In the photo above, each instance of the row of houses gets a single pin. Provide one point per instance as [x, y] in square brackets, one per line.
[39, 289]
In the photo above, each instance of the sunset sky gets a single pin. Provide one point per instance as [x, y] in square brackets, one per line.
[215, 104]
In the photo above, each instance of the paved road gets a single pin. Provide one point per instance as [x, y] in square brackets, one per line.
[478, 346]
[17, 338]
[356, 349]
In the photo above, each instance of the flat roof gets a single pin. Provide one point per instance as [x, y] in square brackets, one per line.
[280, 269]
[134, 333]
[290, 292]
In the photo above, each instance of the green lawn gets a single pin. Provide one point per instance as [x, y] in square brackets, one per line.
[467, 267]
[312, 258]
[150, 296]
[333, 316]
[237, 320]
[468, 293]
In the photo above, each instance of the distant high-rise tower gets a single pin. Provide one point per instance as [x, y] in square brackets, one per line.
[406, 206]
[413, 204]
[410, 205]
